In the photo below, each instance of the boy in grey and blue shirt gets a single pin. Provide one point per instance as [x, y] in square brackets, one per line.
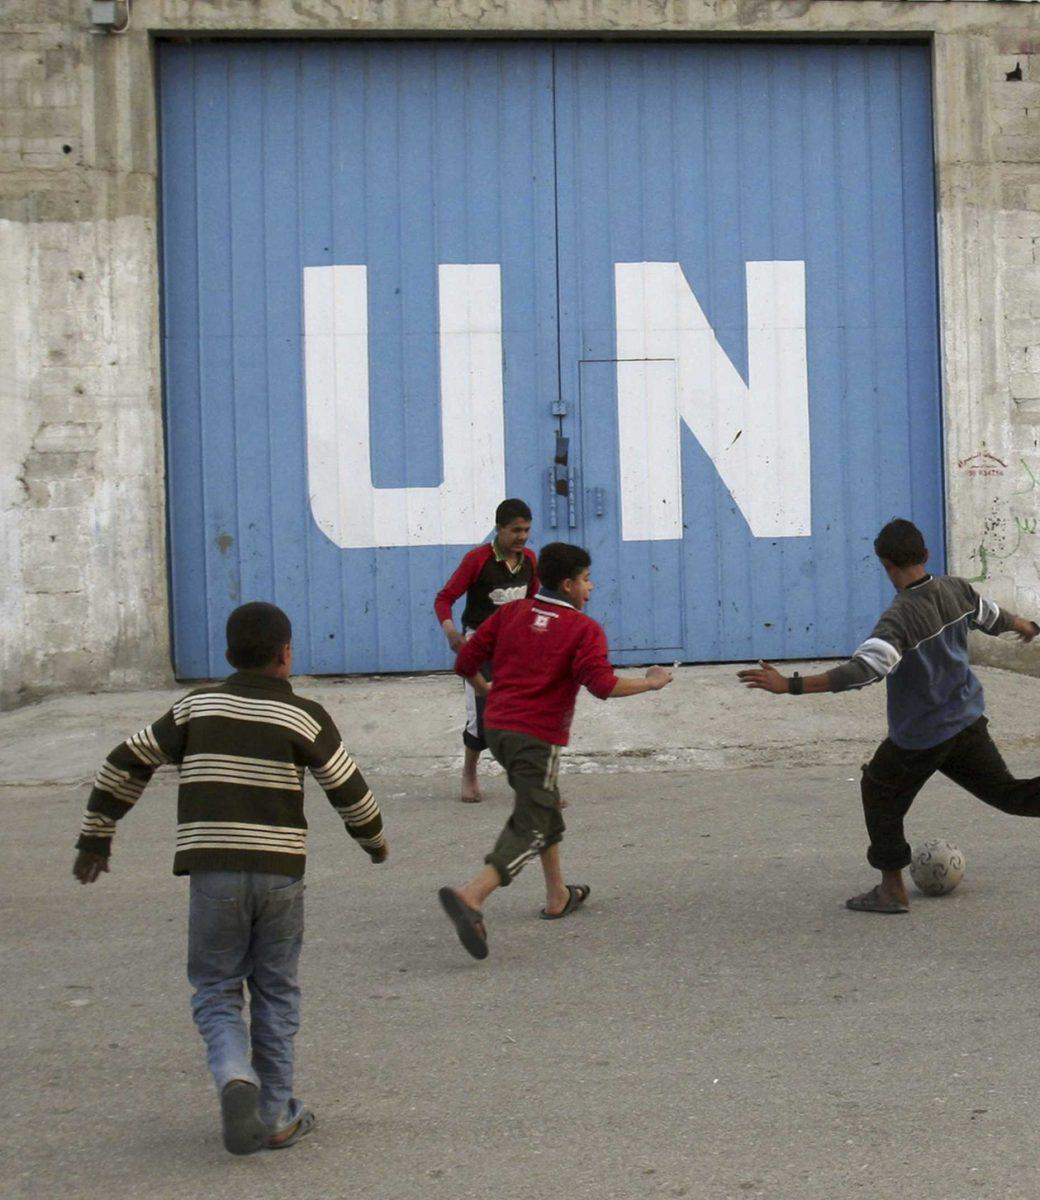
[935, 704]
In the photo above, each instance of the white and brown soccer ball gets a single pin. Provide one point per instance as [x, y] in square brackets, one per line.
[936, 867]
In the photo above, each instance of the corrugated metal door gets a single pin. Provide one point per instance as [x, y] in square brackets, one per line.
[360, 315]
[394, 273]
[748, 335]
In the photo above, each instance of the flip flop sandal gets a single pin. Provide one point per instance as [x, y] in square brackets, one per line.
[871, 902]
[244, 1132]
[303, 1126]
[579, 893]
[468, 922]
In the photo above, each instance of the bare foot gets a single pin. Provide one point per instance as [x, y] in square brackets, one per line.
[471, 793]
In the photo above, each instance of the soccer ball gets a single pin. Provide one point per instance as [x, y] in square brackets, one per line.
[936, 867]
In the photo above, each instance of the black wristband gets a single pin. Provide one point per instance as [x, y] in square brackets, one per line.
[796, 684]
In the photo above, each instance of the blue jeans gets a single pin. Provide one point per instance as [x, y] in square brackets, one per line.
[245, 927]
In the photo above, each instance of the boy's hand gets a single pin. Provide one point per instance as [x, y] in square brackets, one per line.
[1026, 630]
[658, 677]
[480, 684]
[764, 676]
[88, 866]
[380, 855]
[455, 639]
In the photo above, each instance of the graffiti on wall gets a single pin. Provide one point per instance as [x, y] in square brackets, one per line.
[983, 463]
[1011, 528]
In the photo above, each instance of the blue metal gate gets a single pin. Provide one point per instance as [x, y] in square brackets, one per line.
[748, 288]
[394, 274]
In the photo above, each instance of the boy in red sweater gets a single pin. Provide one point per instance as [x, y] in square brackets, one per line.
[544, 649]
[490, 575]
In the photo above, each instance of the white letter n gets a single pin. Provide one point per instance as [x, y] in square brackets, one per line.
[756, 433]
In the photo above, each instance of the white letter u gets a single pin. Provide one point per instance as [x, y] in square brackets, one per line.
[347, 506]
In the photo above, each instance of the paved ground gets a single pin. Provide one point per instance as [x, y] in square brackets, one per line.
[714, 1025]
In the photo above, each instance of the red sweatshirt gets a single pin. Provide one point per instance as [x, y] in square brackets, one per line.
[544, 650]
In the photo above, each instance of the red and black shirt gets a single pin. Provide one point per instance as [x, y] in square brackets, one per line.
[488, 582]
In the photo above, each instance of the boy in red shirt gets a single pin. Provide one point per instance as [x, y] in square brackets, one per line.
[490, 575]
[545, 649]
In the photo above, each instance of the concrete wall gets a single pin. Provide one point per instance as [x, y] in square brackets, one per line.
[83, 599]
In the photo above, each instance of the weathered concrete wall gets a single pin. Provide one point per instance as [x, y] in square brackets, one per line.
[81, 475]
[83, 602]
[988, 151]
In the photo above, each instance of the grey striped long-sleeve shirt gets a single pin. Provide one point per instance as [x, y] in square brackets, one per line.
[920, 647]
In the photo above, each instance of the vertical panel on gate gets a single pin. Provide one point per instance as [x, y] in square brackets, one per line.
[762, 218]
[359, 267]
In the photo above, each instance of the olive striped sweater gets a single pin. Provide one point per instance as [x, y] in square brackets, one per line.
[242, 747]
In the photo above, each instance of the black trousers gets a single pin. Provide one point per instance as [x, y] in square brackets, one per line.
[894, 776]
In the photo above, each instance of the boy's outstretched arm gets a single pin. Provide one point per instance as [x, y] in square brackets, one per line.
[871, 661]
[879, 654]
[593, 670]
[990, 618]
[348, 793]
[117, 786]
[654, 679]
[769, 679]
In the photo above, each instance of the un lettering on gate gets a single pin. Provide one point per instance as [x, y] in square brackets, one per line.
[670, 369]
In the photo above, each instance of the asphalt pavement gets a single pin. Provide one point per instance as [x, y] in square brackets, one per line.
[712, 1024]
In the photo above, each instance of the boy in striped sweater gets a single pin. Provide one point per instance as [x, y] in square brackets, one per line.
[242, 747]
